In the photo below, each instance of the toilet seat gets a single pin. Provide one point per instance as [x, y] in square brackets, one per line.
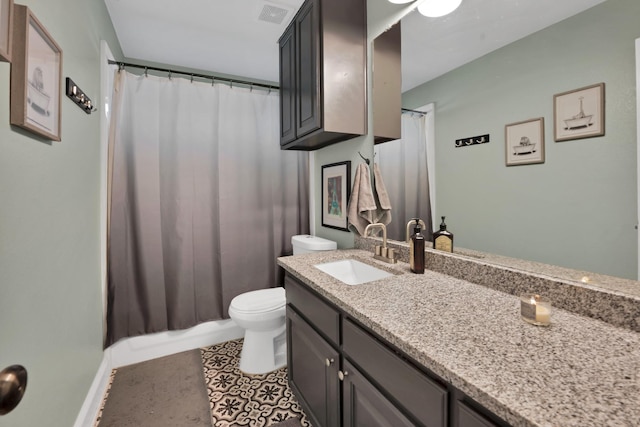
[260, 301]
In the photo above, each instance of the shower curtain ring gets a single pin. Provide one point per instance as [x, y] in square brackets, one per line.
[146, 72]
[213, 80]
[191, 78]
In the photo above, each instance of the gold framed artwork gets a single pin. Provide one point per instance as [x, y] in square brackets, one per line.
[6, 29]
[336, 186]
[36, 76]
[579, 113]
[524, 142]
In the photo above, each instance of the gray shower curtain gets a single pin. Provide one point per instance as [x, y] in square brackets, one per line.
[202, 201]
[403, 165]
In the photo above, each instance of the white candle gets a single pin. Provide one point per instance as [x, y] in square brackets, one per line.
[543, 314]
[535, 309]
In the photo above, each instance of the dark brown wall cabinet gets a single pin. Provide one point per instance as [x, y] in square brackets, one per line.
[323, 64]
[387, 85]
[345, 375]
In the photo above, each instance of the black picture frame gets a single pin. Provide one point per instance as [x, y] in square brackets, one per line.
[336, 190]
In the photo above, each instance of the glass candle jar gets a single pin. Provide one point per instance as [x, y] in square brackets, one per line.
[535, 310]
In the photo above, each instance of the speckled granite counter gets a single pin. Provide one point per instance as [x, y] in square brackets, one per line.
[612, 299]
[577, 372]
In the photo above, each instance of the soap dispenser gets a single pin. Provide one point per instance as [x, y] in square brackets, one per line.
[443, 239]
[416, 249]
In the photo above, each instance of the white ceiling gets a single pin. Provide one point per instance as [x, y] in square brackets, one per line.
[227, 36]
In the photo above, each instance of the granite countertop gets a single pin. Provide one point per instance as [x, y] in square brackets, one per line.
[577, 372]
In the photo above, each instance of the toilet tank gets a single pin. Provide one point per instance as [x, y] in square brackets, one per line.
[304, 243]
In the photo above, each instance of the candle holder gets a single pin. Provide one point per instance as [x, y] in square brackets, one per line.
[535, 309]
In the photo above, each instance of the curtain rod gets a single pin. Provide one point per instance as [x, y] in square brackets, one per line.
[406, 110]
[123, 65]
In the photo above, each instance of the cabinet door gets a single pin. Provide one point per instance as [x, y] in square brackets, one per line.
[313, 372]
[307, 38]
[468, 417]
[287, 87]
[365, 406]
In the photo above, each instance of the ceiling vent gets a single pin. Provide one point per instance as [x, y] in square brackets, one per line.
[273, 14]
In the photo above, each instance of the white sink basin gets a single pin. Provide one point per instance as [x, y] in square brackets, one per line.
[352, 272]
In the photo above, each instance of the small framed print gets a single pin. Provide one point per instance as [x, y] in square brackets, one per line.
[524, 142]
[36, 76]
[336, 188]
[6, 29]
[579, 113]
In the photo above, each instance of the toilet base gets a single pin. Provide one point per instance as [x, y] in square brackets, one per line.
[263, 351]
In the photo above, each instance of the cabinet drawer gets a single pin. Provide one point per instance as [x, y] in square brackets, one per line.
[469, 417]
[422, 397]
[317, 312]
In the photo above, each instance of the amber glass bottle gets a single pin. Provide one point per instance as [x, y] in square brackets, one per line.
[442, 239]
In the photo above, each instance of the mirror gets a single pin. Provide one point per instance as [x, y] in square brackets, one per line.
[578, 209]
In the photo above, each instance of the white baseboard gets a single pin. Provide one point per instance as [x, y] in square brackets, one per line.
[146, 347]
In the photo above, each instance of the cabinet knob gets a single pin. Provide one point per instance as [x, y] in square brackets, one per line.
[328, 362]
[342, 375]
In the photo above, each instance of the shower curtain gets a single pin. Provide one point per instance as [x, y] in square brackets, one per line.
[202, 201]
[403, 165]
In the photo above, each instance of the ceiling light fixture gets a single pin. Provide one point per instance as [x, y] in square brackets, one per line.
[400, 1]
[437, 8]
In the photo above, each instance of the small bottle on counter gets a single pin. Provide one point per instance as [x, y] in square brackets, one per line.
[416, 249]
[442, 239]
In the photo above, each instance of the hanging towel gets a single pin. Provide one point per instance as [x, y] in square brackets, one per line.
[383, 213]
[362, 206]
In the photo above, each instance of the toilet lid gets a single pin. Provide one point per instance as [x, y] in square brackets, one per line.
[262, 300]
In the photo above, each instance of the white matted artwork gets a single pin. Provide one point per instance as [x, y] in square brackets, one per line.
[6, 29]
[35, 76]
[579, 113]
[524, 142]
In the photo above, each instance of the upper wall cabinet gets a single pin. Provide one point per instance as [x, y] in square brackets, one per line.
[387, 85]
[323, 69]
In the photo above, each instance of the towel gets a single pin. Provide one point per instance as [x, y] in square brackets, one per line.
[362, 206]
[383, 212]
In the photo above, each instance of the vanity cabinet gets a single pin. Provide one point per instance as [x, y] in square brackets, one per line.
[323, 62]
[343, 374]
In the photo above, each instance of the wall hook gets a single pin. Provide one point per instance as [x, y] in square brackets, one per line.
[364, 158]
[79, 97]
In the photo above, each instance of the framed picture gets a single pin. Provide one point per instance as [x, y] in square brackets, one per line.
[336, 188]
[579, 113]
[524, 142]
[36, 76]
[6, 29]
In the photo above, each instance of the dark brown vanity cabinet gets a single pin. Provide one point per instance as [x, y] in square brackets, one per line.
[345, 375]
[323, 62]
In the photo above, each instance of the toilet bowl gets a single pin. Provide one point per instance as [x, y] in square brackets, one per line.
[261, 314]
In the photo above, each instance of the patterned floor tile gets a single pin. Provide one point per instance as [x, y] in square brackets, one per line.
[238, 399]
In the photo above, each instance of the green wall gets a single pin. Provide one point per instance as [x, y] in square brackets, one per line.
[579, 208]
[50, 284]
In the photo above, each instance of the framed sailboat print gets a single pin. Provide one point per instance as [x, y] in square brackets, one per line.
[579, 113]
[36, 76]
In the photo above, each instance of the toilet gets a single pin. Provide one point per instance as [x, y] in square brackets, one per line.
[261, 314]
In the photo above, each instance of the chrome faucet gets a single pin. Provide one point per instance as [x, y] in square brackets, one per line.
[413, 221]
[382, 253]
